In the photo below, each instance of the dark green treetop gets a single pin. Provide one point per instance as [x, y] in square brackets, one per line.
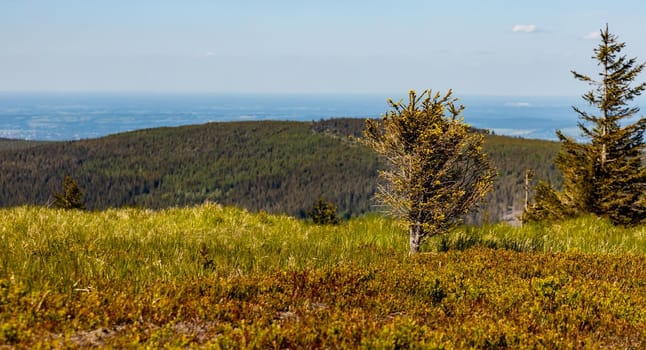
[605, 175]
[324, 213]
[71, 197]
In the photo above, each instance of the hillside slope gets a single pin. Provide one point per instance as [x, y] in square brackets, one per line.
[271, 165]
[13, 144]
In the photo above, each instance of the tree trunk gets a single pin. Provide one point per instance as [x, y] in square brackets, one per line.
[415, 232]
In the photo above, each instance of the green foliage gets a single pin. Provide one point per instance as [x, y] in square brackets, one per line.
[547, 206]
[512, 157]
[607, 175]
[279, 167]
[324, 213]
[221, 277]
[71, 196]
[436, 169]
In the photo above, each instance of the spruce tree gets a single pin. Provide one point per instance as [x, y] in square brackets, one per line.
[606, 174]
[547, 205]
[324, 213]
[71, 197]
[437, 170]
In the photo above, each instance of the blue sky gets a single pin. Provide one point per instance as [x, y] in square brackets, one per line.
[489, 47]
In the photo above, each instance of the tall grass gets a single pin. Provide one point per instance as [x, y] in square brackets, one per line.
[587, 234]
[76, 249]
[49, 248]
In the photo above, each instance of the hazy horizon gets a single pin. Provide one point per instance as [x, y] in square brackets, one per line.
[68, 116]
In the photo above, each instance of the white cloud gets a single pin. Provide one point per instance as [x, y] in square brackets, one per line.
[592, 36]
[524, 28]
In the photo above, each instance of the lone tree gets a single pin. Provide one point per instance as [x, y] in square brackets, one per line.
[71, 197]
[324, 213]
[606, 174]
[436, 169]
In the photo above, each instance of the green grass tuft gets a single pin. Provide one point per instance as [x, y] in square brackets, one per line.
[587, 234]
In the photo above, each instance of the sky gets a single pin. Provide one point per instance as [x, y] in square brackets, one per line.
[493, 47]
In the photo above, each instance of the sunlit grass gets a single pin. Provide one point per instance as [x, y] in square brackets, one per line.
[587, 234]
[220, 277]
[74, 248]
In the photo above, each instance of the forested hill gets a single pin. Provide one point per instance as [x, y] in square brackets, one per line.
[272, 165]
[11, 144]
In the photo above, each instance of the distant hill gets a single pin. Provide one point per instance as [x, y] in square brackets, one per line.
[275, 166]
[13, 144]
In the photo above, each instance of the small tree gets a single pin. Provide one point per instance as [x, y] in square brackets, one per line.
[436, 171]
[323, 213]
[550, 207]
[605, 175]
[71, 197]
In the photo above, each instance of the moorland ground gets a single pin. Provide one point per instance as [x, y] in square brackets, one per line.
[220, 277]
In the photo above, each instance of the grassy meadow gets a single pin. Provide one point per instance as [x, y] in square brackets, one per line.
[221, 277]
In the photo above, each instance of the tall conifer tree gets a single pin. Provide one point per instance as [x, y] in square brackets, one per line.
[605, 175]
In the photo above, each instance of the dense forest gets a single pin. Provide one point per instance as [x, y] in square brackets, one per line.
[276, 166]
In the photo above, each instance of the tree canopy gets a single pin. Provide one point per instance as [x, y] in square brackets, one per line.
[436, 169]
[71, 197]
[605, 174]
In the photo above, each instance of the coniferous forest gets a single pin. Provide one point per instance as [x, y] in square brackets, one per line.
[279, 167]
